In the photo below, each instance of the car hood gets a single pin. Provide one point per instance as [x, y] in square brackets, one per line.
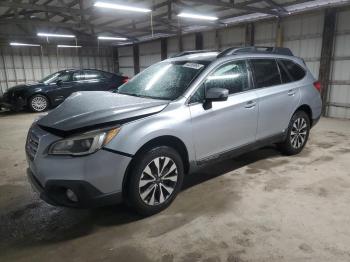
[19, 88]
[88, 110]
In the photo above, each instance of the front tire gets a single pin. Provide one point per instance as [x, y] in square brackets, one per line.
[38, 103]
[297, 134]
[155, 179]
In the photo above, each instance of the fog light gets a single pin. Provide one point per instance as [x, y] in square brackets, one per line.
[71, 195]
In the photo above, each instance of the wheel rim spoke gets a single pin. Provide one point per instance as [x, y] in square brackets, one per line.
[298, 133]
[158, 181]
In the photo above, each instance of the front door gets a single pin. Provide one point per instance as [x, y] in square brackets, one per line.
[226, 125]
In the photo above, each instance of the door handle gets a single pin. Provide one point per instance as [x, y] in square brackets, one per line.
[291, 92]
[250, 104]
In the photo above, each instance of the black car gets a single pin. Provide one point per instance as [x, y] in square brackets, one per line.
[55, 88]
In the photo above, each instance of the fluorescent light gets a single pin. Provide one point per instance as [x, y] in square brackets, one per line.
[112, 38]
[22, 44]
[55, 35]
[195, 16]
[69, 46]
[122, 7]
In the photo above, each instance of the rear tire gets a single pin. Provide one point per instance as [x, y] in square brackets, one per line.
[38, 103]
[297, 134]
[155, 179]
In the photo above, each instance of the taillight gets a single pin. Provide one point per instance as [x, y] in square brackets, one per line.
[125, 80]
[318, 86]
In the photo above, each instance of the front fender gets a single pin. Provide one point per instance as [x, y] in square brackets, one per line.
[134, 135]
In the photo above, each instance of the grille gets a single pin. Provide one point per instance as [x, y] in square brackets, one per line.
[32, 145]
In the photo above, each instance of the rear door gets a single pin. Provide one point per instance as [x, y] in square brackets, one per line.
[226, 125]
[277, 97]
[95, 81]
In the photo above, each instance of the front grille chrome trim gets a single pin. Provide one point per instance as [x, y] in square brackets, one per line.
[32, 144]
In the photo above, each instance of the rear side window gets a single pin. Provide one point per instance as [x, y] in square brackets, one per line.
[266, 72]
[285, 75]
[295, 70]
[93, 74]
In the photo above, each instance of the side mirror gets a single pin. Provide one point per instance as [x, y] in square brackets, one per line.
[59, 82]
[216, 94]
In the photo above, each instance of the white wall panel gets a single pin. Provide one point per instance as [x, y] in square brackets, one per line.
[339, 91]
[234, 36]
[23, 65]
[303, 35]
[126, 60]
[189, 42]
[265, 33]
[173, 46]
[149, 54]
[209, 40]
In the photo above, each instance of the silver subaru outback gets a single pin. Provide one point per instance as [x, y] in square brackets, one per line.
[137, 144]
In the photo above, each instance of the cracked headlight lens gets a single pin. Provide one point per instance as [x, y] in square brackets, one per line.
[83, 144]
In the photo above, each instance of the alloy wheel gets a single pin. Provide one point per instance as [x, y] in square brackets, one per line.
[39, 103]
[298, 133]
[158, 181]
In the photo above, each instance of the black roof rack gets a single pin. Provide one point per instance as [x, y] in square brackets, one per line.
[192, 52]
[256, 50]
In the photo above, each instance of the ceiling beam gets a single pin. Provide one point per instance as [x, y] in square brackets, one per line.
[76, 26]
[240, 6]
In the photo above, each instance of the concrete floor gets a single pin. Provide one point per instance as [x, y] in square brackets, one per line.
[259, 207]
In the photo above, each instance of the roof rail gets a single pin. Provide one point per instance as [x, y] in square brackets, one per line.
[192, 52]
[256, 50]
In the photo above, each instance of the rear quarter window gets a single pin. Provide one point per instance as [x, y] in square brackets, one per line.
[294, 70]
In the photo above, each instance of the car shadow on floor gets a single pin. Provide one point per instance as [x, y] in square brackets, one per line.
[39, 223]
[7, 113]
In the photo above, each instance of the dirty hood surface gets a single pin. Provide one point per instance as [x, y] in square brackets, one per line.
[88, 109]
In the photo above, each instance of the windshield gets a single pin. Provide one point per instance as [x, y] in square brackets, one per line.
[55, 77]
[166, 80]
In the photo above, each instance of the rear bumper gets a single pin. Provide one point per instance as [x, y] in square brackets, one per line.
[88, 196]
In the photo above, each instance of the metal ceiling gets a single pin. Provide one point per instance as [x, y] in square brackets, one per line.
[20, 20]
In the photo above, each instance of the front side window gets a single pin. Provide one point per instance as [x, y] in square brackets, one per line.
[58, 76]
[165, 80]
[232, 76]
[266, 72]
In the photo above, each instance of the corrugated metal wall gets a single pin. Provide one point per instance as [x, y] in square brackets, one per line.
[301, 33]
[28, 64]
[149, 54]
[339, 90]
[126, 60]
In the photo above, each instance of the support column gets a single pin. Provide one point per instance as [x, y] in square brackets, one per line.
[249, 34]
[116, 59]
[199, 41]
[279, 34]
[180, 42]
[328, 37]
[163, 48]
[217, 40]
[136, 53]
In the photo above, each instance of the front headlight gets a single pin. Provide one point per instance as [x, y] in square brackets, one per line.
[83, 144]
